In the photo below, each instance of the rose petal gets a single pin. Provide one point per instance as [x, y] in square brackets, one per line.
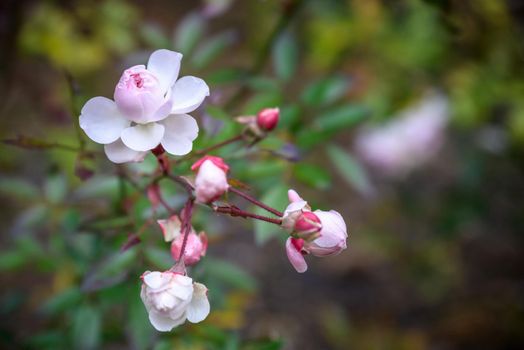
[294, 206]
[154, 279]
[293, 196]
[143, 137]
[101, 120]
[165, 65]
[170, 227]
[199, 307]
[188, 93]
[295, 257]
[184, 287]
[163, 323]
[118, 153]
[180, 131]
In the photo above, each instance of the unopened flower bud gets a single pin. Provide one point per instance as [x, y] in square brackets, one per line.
[211, 178]
[333, 235]
[267, 119]
[196, 247]
[320, 233]
[307, 226]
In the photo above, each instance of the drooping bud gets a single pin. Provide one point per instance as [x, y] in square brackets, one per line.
[307, 226]
[267, 119]
[211, 178]
[319, 233]
[196, 247]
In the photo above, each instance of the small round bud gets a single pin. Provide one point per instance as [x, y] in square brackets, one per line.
[267, 119]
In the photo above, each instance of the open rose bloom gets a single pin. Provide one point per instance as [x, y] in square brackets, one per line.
[170, 298]
[330, 240]
[150, 108]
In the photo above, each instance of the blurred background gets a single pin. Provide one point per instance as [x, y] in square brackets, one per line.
[406, 116]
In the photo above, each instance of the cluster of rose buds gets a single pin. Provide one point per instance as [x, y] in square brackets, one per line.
[149, 114]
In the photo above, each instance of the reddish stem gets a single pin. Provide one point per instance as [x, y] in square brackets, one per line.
[218, 145]
[186, 215]
[234, 211]
[256, 202]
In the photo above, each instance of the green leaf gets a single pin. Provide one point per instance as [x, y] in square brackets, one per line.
[154, 36]
[263, 100]
[211, 49]
[350, 169]
[264, 345]
[331, 122]
[112, 271]
[289, 117]
[18, 188]
[312, 175]
[160, 258]
[67, 299]
[55, 188]
[189, 32]
[229, 274]
[226, 75]
[86, 328]
[276, 197]
[285, 56]
[140, 330]
[325, 91]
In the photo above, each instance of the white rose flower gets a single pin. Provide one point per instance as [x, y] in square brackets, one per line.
[171, 298]
[149, 109]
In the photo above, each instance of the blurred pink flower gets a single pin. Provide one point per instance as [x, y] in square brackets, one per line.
[211, 178]
[409, 140]
[331, 239]
[171, 298]
[149, 109]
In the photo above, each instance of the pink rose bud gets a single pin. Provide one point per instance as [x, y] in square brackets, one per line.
[196, 247]
[267, 119]
[211, 178]
[333, 235]
[307, 226]
[320, 233]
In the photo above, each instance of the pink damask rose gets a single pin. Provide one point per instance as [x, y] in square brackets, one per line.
[170, 298]
[331, 238]
[211, 179]
[150, 109]
[196, 247]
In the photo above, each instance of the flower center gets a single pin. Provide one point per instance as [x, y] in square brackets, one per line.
[138, 80]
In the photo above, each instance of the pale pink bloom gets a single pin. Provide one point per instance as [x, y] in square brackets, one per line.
[170, 298]
[411, 139]
[149, 109]
[330, 241]
[267, 119]
[299, 220]
[196, 247]
[170, 227]
[211, 178]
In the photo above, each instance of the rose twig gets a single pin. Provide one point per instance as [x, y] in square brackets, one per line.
[256, 201]
[218, 145]
[187, 213]
[234, 211]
